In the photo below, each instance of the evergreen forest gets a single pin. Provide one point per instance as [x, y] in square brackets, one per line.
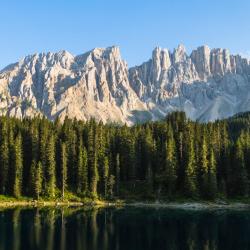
[161, 160]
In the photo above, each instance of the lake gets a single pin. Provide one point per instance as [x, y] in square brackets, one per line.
[123, 229]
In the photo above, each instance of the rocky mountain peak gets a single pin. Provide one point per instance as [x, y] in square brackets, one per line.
[208, 84]
[179, 54]
[201, 60]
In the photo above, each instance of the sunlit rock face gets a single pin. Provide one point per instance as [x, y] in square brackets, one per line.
[94, 84]
[208, 84]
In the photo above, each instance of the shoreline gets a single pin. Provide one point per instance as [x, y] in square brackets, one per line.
[12, 204]
[185, 205]
[193, 205]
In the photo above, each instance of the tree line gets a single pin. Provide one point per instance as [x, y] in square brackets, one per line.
[166, 159]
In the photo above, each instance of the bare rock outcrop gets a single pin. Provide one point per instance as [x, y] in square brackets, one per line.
[208, 84]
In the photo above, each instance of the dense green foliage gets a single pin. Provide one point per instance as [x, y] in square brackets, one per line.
[156, 160]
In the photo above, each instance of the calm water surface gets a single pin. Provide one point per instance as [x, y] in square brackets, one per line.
[126, 228]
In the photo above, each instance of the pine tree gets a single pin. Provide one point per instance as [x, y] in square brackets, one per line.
[204, 166]
[18, 167]
[105, 175]
[130, 158]
[72, 156]
[63, 168]
[224, 164]
[240, 178]
[34, 156]
[11, 161]
[148, 156]
[50, 168]
[117, 173]
[110, 186]
[32, 184]
[82, 176]
[43, 144]
[190, 179]
[38, 180]
[170, 163]
[211, 176]
[92, 159]
[4, 157]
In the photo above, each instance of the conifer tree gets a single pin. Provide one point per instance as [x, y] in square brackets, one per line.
[34, 157]
[4, 157]
[63, 168]
[82, 176]
[38, 186]
[50, 168]
[43, 143]
[36, 179]
[240, 178]
[170, 163]
[18, 167]
[224, 164]
[117, 173]
[148, 156]
[105, 175]
[204, 166]
[190, 179]
[11, 161]
[72, 156]
[110, 186]
[211, 176]
[92, 159]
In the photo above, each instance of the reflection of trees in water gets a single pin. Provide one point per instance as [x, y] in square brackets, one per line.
[37, 228]
[111, 229]
[63, 231]
[16, 223]
[49, 218]
[94, 229]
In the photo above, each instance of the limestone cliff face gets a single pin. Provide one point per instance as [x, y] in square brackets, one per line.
[94, 84]
[207, 85]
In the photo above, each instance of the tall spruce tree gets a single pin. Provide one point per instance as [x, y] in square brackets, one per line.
[204, 166]
[148, 158]
[63, 168]
[211, 176]
[240, 178]
[4, 156]
[170, 163]
[117, 173]
[18, 167]
[82, 176]
[11, 160]
[110, 186]
[50, 179]
[36, 179]
[92, 162]
[105, 175]
[190, 179]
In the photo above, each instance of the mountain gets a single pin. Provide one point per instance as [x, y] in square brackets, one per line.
[207, 85]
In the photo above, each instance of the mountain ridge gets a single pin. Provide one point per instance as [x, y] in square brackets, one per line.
[208, 84]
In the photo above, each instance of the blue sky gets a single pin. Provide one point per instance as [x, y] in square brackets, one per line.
[137, 26]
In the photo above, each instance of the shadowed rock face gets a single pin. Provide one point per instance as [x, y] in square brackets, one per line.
[207, 85]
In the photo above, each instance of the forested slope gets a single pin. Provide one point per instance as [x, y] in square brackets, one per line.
[172, 158]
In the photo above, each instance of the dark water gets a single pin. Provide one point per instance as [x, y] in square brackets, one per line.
[127, 228]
